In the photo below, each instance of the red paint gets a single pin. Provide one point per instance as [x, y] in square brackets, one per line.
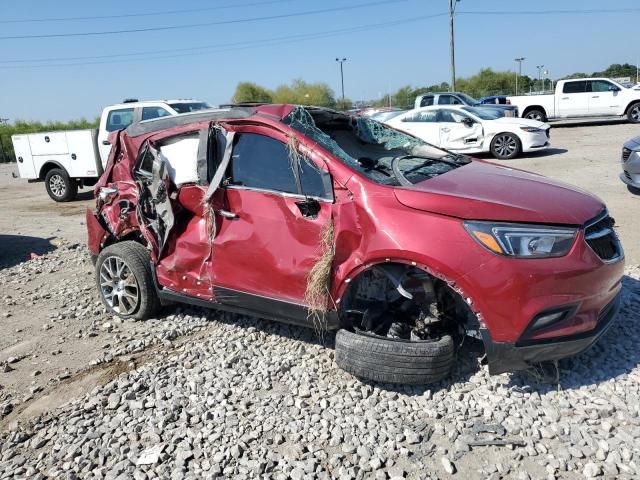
[270, 248]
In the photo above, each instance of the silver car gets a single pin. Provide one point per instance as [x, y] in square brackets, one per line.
[631, 163]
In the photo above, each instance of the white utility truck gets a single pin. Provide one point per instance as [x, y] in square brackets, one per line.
[581, 98]
[66, 160]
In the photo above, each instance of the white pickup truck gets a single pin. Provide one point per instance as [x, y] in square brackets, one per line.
[66, 160]
[581, 98]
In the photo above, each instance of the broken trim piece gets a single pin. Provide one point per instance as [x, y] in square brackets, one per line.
[222, 168]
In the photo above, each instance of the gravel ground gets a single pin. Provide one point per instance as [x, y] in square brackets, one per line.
[254, 399]
[200, 394]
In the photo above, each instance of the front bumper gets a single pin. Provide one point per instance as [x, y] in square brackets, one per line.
[508, 357]
[535, 141]
[631, 165]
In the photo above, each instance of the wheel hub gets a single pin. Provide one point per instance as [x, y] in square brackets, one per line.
[505, 145]
[57, 185]
[118, 286]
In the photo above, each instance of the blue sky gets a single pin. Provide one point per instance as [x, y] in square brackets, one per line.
[379, 59]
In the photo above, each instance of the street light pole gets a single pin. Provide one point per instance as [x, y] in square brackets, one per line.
[342, 77]
[452, 11]
[519, 60]
[539, 67]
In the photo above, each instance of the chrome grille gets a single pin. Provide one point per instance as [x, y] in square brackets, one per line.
[626, 153]
[600, 236]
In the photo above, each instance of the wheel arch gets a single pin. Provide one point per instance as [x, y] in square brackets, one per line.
[631, 104]
[534, 107]
[48, 166]
[437, 273]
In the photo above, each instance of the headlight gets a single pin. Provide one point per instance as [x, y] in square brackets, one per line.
[523, 241]
[532, 129]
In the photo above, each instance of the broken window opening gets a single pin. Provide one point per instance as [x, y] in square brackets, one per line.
[371, 147]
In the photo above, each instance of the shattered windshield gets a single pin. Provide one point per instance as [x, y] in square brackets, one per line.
[381, 153]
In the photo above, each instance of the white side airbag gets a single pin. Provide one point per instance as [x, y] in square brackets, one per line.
[181, 156]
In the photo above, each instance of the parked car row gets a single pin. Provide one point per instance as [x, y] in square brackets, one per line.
[459, 98]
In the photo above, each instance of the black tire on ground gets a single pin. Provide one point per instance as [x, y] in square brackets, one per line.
[388, 360]
[536, 114]
[506, 146]
[134, 283]
[633, 114]
[59, 186]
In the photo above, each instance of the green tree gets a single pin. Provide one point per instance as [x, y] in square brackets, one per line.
[304, 93]
[251, 92]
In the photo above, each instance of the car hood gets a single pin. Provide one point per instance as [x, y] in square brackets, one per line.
[500, 106]
[521, 122]
[484, 191]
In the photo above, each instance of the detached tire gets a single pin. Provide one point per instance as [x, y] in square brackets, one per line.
[59, 186]
[125, 282]
[388, 360]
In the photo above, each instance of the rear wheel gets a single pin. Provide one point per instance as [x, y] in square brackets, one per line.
[536, 114]
[59, 186]
[125, 282]
[506, 146]
[633, 114]
[389, 360]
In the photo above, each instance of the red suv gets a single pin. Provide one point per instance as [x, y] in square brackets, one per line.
[313, 217]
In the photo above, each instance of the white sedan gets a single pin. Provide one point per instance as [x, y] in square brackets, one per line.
[465, 129]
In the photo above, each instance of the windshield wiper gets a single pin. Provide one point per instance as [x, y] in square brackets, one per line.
[457, 158]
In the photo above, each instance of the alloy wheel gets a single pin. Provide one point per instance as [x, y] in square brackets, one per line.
[635, 113]
[57, 185]
[118, 286]
[534, 116]
[505, 145]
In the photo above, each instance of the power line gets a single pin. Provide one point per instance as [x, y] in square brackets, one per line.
[204, 24]
[160, 54]
[550, 12]
[145, 14]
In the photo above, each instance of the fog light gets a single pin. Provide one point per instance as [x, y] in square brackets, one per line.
[546, 320]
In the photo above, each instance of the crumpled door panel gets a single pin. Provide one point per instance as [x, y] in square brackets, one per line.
[186, 264]
[456, 136]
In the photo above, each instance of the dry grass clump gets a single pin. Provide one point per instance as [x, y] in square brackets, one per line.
[317, 294]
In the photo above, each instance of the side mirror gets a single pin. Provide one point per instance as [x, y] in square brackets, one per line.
[468, 122]
[614, 88]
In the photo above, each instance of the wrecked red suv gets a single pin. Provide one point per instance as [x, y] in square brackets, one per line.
[313, 217]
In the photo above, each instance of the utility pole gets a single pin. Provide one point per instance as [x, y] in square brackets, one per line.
[539, 67]
[342, 77]
[452, 11]
[519, 60]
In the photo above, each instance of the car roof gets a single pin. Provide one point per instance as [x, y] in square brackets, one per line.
[435, 107]
[233, 112]
[142, 103]
[163, 123]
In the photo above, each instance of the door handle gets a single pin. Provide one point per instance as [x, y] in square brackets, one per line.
[564, 98]
[106, 142]
[445, 130]
[595, 96]
[227, 214]
[309, 207]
